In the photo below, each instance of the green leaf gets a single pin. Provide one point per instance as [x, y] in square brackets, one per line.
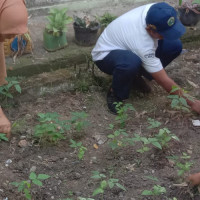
[147, 193]
[103, 184]
[37, 182]
[157, 144]
[27, 194]
[120, 186]
[152, 178]
[98, 191]
[18, 88]
[43, 176]
[32, 176]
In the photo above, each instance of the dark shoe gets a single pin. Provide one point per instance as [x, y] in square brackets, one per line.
[140, 85]
[112, 102]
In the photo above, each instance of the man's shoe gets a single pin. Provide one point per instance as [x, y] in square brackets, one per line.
[140, 84]
[112, 102]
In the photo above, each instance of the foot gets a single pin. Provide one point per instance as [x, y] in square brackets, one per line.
[140, 85]
[112, 101]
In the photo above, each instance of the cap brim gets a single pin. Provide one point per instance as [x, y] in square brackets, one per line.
[175, 32]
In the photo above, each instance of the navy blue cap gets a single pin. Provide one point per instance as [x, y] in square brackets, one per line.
[163, 19]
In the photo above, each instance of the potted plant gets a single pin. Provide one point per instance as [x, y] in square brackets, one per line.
[86, 31]
[189, 12]
[105, 19]
[54, 36]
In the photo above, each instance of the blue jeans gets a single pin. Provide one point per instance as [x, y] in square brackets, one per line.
[124, 65]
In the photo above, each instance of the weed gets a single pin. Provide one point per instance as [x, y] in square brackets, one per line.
[81, 149]
[153, 123]
[119, 138]
[122, 115]
[25, 186]
[106, 19]
[3, 137]
[105, 183]
[179, 101]
[6, 90]
[156, 191]
[183, 166]
[51, 128]
[78, 120]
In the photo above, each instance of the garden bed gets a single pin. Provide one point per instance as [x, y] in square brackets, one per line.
[75, 90]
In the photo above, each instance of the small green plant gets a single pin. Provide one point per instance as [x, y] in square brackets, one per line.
[164, 137]
[119, 138]
[105, 183]
[78, 120]
[182, 164]
[153, 123]
[157, 190]
[79, 147]
[57, 21]
[25, 186]
[106, 19]
[3, 137]
[85, 22]
[51, 128]
[6, 90]
[122, 115]
[179, 101]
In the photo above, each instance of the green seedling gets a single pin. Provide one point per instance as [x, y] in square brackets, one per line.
[179, 101]
[79, 147]
[25, 186]
[6, 90]
[157, 190]
[105, 183]
[164, 137]
[153, 123]
[119, 138]
[78, 120]
[51, 128]
[3, 137]
[122, 115]
[182, 164]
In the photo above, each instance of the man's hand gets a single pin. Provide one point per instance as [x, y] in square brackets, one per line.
[5, 125]
[195, 106]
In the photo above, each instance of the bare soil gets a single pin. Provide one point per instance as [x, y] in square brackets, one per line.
[70, 90]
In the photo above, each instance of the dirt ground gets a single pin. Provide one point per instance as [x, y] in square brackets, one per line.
[70, 90]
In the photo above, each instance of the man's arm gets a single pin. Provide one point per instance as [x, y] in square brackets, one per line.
[166, 82]
[3, 73]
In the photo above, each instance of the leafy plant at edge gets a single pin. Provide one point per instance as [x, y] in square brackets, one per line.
[25, 186]
[81, 149]
[5, 90]
[179, 100]
[183, 166]
[3, 137]
[105, 183]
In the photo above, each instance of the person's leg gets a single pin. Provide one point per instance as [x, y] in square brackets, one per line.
[124, 66]
[167, 51]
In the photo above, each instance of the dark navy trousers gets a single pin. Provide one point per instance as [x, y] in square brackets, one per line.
[124, 65]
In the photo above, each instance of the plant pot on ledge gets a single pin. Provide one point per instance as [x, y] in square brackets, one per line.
[54, 35]
[86, 33]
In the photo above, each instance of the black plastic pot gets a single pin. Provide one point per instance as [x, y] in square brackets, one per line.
[188, 17]
[86, 36]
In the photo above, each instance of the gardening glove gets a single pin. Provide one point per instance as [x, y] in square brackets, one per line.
[195, 106]
[194, 179]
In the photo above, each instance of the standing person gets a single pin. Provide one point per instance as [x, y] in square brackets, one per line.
[13, 21]
[141, 42]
